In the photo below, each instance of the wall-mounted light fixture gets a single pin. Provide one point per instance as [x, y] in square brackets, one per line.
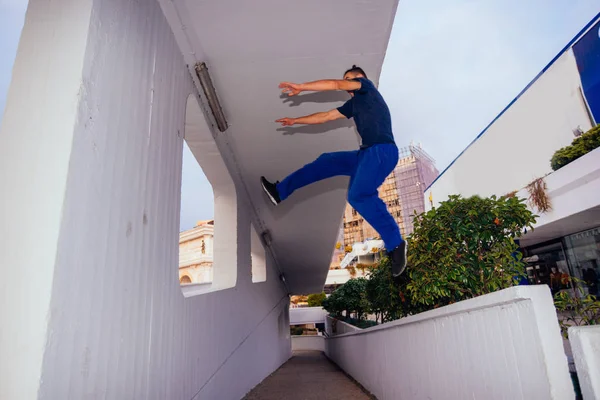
[266, 236]
[211, 96]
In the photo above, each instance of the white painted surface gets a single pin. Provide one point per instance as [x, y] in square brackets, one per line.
[249, 48]
[259, 264]
[341, 276]
[91, 149]
[505, 345]
[585, 343]
[307, 315]
[36, 136]
[574, 192]
[518, 146]
[335, 327]
[304, 343]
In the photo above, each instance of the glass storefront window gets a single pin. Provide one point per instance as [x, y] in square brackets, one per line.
[583, 252]
[547, 265]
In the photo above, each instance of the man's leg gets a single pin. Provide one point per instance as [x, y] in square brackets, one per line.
[326, 166]
[374, 166]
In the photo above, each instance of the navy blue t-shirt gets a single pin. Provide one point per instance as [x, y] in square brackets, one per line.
[371, 114]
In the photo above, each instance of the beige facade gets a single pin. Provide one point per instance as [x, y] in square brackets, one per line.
[196, 253]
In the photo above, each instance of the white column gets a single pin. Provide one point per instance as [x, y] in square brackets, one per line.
[90, 178]
[36, 137]
[585, 343]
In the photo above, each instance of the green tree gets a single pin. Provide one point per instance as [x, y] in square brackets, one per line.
[316, 300]
[384, 294]
[354, 296]
[466, 248]
[351, 297]
[333, 304]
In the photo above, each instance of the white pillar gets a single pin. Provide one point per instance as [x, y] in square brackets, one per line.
[36, 137]
[585, 343]
[90, 178]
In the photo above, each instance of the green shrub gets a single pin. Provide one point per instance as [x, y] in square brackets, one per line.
[580, 146]
[360, 323]
[465, 248]
[389, 296]
[316, 300]
[576, 308]
[462, 249]
[296, 330]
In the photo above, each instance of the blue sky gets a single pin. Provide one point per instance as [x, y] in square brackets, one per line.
[451, 67]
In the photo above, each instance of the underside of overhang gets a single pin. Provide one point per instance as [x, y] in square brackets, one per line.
[251, 46]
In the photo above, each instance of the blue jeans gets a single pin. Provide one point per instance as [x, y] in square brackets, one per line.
[367, 169]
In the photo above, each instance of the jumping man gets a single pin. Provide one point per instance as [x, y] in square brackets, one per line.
[367, 167]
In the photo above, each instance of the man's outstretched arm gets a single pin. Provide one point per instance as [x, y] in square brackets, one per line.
[293, 89]
[313, 119]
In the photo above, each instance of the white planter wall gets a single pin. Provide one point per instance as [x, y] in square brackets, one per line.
[585, 343]
[505, 345]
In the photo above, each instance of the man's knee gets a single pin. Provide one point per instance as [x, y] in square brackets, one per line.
[355, 198]
[325, 158]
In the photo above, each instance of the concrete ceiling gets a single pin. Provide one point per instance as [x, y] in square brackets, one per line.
[251, 46]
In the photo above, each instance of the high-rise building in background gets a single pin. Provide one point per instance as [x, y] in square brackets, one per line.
[402, 192]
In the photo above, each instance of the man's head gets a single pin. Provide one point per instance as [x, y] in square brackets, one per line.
[355, 72]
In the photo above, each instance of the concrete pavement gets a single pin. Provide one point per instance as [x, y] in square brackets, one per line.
[308, 375]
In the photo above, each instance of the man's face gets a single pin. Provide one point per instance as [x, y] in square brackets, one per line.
[350, 76]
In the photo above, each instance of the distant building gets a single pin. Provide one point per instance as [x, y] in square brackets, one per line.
[402, 192]
[338, 251]
[196, 253]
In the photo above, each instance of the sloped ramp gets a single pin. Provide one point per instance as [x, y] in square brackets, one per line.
[308, 375]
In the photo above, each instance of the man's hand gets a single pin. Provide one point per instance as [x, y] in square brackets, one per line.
[286, 121]
[292, 89]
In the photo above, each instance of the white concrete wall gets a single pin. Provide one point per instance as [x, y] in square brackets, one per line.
[90, 155]
[341, 276]
[573, 190]
[308, 343]
[307, 315]
[517, 147]
[505, 345]
[336, 327]
[585, 343]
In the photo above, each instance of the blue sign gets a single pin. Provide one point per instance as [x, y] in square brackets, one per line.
[587, 54]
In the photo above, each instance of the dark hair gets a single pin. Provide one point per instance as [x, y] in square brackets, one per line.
[356, 69]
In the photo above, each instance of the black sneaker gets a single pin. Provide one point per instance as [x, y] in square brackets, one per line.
[398, 259]
[271, 190]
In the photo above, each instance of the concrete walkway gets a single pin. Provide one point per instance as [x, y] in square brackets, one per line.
[308, 375]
